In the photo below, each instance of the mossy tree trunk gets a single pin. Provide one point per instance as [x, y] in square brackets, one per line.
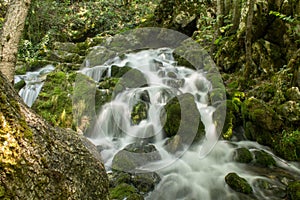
[38, 161]
[11, 34]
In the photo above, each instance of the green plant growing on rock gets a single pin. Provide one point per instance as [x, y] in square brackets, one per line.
[288, 145]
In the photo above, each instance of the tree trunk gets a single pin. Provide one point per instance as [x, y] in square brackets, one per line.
[219, 23]
[220, 13]
[11, 34]
[236, 16]
[248, 40]
[38, 161]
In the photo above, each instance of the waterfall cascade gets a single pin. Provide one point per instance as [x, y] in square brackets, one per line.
[195, 173]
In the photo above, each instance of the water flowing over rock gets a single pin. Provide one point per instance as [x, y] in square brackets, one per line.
[34, 83]
[143, 128]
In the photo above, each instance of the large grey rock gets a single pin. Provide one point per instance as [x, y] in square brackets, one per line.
[39, 161]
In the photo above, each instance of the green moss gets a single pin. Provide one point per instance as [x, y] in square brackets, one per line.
[54, 103]
[238, 184]
[139, 112]
[2, 191]
[243, 155]
[264, 159]
[293, 190]
[21, 71]
[19, 85]
[288, 145]
[118, 72]
[122, 191]
[261, 122]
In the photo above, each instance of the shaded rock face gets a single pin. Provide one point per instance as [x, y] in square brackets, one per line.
[261, 121]
[174, 15]
[125, 181]
[39, 161]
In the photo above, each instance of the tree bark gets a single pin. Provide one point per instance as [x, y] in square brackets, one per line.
[38, 161]
[11, 34]
[248, 39]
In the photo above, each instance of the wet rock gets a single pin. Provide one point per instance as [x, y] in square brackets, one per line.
[134, 156]
[144, 96]
[145, 182]
[270, 189]
[19, 85]
[118, 72]
[293, 190]
[242, 155]
[174, 144]
[98, 56]
[264, 159]
[105, 91]
[238, 183]
[182, 117]
[132, 79]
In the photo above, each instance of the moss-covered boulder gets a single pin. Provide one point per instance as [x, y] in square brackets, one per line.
[261, 122]
[288, 145]
[293, 190]
[264, 159]
[261, 114]
[242, 155]
[182, 117]
[238, 183]
[54, 102]
[144, 182]
[40, 161]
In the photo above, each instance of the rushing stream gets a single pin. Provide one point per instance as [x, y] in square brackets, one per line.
[191, 173]
[194, 173]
